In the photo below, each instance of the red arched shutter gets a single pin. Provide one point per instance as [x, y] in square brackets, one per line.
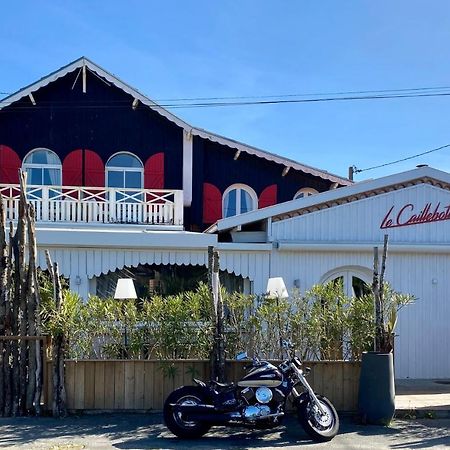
[94, 169]
[212, 203]
[154, 172]
[72, 169]
[268, 196]
[9, 165]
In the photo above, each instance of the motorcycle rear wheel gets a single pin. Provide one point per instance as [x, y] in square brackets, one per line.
[176, 422]
[321, 427]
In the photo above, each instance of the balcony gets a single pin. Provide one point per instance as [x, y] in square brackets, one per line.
[98, 205]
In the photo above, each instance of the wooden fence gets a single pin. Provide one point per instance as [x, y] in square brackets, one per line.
[142, 385]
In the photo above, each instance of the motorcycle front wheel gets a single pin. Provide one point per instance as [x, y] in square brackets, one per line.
[321, 427]
[176, 421]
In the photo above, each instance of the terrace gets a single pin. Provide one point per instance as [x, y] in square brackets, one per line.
[73, 204]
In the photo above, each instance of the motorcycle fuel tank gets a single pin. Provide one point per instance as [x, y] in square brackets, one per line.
[266, 375]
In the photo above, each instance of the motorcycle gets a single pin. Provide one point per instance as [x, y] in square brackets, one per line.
[258, 400]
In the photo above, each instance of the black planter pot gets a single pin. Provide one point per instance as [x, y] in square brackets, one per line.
[376, 400]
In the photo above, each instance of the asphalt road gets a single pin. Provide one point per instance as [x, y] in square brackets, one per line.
[133, 431]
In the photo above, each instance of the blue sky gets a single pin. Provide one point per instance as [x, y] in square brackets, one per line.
[185, 49]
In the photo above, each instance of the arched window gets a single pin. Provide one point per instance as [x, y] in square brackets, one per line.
[43, 167]
[305, 192]
[355, 280]
[352, 281]
[239, 199]
[124, 170]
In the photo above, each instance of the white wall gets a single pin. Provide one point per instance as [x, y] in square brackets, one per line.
[422, 347]
[359, 221]
[423, 342]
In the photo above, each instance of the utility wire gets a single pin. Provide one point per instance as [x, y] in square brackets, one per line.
[356, 170]
[310, 94]
[126, 104]
[305, 94]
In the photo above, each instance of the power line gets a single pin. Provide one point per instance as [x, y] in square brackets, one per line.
[125, 104]
[307, 94]
[356, 170]
[280, 96]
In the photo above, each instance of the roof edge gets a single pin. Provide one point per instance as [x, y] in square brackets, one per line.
[84, 61]
[328, 196]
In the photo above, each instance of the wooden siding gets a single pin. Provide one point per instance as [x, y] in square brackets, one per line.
[422, 344]
[360, 221]
[141, 385]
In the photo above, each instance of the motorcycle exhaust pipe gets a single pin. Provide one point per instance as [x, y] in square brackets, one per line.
[217, 418]
[190, 409]
[206, 413]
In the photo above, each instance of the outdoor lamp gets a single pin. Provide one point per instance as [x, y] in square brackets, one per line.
[125, 290]
[277, 289]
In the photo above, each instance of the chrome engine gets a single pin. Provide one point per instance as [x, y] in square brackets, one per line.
[254, 412]
[261, 402]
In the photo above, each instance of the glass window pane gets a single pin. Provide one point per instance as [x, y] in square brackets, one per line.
[246, 202]
[133, 180]
[115, 179]
[34, 176]
[359, 287]
[52, 177]
[230, 204]
[43, 157]
[124, 160]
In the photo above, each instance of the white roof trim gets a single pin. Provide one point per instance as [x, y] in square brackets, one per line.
[271, 156]
[85, 62]
[79, 63]
[328, 197]
[74, 237]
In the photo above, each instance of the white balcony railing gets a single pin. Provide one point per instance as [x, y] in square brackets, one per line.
[97, 205]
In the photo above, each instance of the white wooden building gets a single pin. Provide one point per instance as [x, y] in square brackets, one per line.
[332, 234]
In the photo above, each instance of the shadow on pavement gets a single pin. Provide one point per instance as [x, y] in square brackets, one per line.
[138, 431]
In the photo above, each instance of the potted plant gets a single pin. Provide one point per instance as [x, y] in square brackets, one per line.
[376, 400]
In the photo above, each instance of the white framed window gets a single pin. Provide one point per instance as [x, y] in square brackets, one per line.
[356, 280]
[43, 168]
[124, 170]
[305, 192]
[239, 199]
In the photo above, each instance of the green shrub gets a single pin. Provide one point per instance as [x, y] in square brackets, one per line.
[323, 323]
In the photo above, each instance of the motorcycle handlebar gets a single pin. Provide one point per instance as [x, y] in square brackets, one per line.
[254, 363]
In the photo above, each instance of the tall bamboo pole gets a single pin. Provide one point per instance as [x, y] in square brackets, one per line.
[58, 344]
[34, 388]
[220, 341]
[377, 300]
[22, 277]
[382, 271]
[7, 370]
[213, 310]
[19, 386]
[3, 297]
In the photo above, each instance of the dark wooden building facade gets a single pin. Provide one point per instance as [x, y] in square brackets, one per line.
[82, 126]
